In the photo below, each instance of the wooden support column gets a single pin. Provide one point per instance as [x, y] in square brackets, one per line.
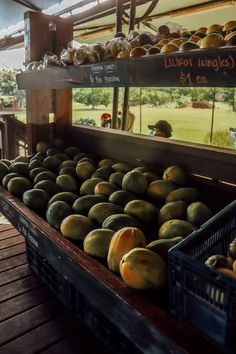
[119, 14]
[9, 136]
[44, 34]
[126, 92]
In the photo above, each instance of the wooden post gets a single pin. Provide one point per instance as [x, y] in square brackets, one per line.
[119, 13]
[44, 34]
[126, 92]
[9, 136]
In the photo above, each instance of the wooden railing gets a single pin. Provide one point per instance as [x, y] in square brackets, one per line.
[13, 140]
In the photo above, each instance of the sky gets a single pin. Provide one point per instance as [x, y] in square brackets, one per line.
[13, 58]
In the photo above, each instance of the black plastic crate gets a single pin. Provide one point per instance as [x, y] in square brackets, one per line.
[200, 297]
[77, 303]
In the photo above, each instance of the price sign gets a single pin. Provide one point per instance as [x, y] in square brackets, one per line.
[105, 75]
[199, 69]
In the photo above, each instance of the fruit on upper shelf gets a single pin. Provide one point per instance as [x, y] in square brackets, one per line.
[142, 44]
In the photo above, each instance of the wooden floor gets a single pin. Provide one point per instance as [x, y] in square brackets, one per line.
[32, 320]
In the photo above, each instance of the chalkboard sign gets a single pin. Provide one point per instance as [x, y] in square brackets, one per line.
[204, 68]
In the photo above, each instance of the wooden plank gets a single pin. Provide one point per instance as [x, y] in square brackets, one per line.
[51, 33]
[30, 319]
[200, 68]
[155, 152]
[12, 241]
[14, 274]
[4, 227]
[19, 287]
[63, 111]
[23, 302]
[12, 251]
[38, 108]
[41, 337]
[82, 342]
[10, 263]
[12, 232]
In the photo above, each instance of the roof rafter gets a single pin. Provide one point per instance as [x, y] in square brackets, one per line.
[28, 4]
[101, 10]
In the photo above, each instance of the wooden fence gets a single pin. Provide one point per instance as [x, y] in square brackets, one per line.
[13, 141]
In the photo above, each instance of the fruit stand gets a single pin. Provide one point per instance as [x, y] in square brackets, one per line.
[128, 321]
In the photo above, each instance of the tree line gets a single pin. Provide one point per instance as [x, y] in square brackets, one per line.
[179, 97]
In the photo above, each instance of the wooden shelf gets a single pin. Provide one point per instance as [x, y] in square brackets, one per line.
[204, 68]
[125, 318]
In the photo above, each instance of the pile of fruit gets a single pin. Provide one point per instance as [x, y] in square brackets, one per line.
[225, 264]
[126, 216]
[142, 44]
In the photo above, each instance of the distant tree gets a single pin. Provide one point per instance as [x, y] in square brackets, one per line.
[134, 97]
[229, 97]
[8, 84]
[93, 96]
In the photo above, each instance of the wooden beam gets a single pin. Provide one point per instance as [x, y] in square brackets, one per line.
[101, 10]
[28, 4]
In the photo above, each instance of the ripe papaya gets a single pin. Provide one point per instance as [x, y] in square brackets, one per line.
[122, 242]
[143, 269]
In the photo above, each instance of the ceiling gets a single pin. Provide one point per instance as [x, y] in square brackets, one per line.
[12, 12]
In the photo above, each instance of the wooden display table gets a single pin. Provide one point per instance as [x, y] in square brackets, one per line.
[127, 320]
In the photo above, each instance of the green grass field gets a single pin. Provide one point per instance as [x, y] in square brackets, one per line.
[188, 124]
